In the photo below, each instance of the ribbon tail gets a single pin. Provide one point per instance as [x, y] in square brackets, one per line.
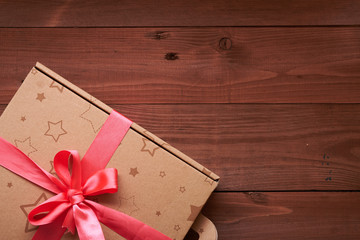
[125, 225]
[51, 231]
[17, 162]
[87, 224]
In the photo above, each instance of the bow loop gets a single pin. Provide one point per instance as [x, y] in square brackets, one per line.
[68, 167]
[49, 210]
[103, 181]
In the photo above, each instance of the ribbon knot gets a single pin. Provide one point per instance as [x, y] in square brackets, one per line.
[75, 196]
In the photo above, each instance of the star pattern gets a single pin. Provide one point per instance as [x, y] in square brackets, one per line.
[40, 97]
[52, 169]
[176, 227]
[57, 85]
[207, 179]
[194, 212]
[149, 147]
[88, 115]
[55, 130]
[166, 145]
[201, 230]
[28, 207]
[133, 172]
[25, 146]
[127, 205]
[182, 189]
[206, 172]
[148, 135]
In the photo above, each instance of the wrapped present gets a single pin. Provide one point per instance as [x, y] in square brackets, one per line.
[152, 182]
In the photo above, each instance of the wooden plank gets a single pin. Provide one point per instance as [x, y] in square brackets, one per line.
[286, 215]
[191, 65]
[263, 146]
[31, 13]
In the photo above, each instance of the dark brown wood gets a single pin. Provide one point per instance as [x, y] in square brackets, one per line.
[285, 215]
[191, 71]
[31, 13]
[263, 146]
[190, 65]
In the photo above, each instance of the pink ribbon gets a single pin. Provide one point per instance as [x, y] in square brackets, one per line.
[69, 209]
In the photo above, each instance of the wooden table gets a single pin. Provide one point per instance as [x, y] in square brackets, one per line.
[264, 93]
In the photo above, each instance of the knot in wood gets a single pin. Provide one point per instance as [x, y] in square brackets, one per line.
[171, 56]
[160, 35]
[225, 43]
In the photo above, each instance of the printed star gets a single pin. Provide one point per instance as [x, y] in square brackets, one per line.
[40, 97]
[201, 230]
[208, 180]
[25, 146]
[148, 135]
[127, 205]
[133, 171]
[9, 185]
[28, 207]
[158, 213]
[166, 145]
[23, 118]
[33, 71]
[55, 130]
[206, 172]
[176, 227]
[162, 174]
[194, 212]
[52, 170]
[150, 148]
[182, 189]
[57, 85]
[89, 116]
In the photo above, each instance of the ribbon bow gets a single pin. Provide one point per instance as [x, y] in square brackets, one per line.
[69, 210]
[70, 202]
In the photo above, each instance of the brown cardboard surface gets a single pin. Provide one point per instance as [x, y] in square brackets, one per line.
[157, 183]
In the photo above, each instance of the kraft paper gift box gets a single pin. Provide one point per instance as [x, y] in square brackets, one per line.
[158, 184]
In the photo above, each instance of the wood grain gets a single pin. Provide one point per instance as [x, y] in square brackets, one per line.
[32, 13]
[250, 89]
[191, 65]
[263, 146]
[285, 215]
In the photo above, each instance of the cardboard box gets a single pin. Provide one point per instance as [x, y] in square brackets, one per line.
[158, 184]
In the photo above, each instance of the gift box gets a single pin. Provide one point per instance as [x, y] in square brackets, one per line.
[157, 184]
